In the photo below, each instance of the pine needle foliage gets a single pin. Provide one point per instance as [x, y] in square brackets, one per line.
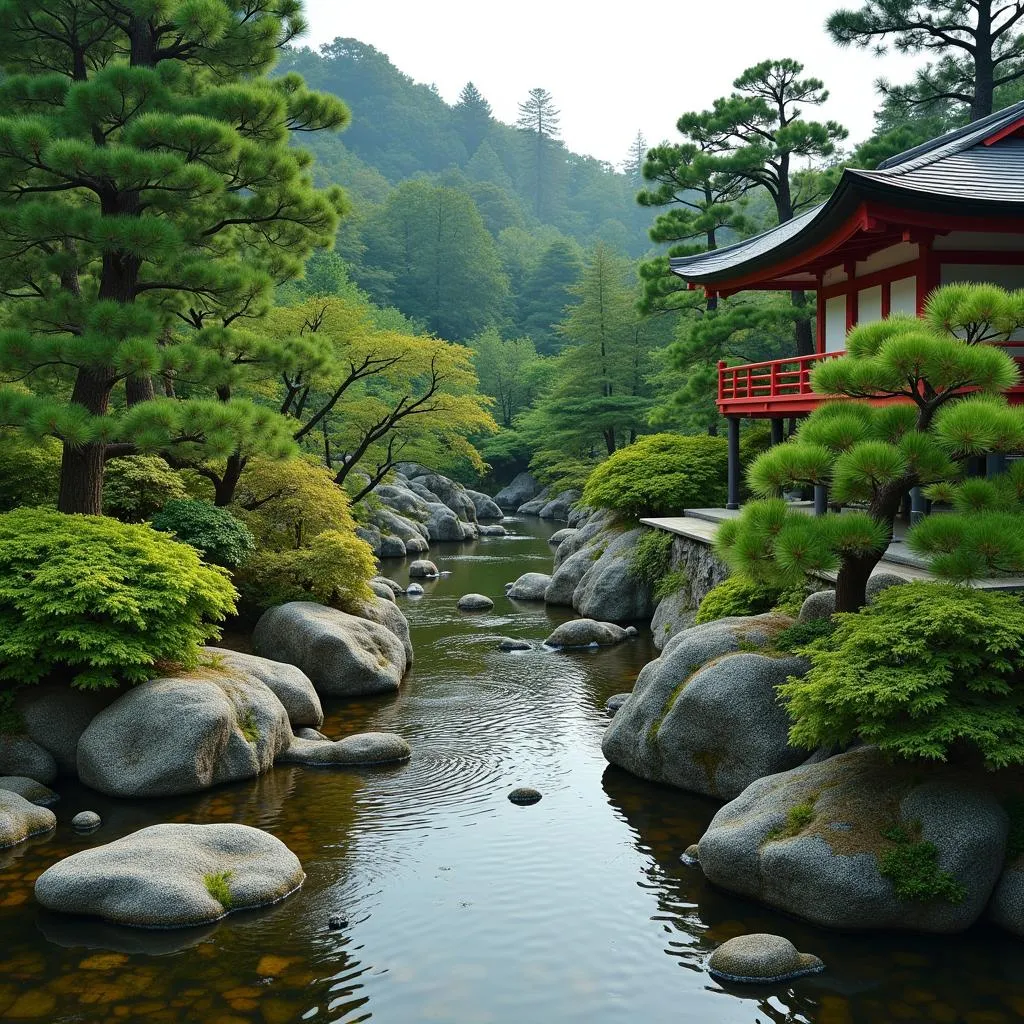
[97, 603]
[927, 671]
[946, 390]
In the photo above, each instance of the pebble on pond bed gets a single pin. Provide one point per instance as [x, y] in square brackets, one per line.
[524, 795]
[760, 958]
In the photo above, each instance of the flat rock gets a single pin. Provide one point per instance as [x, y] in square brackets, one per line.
[422, 568]
[173, 876]
[20, 755]
[529, 587]
[34, 792]
[586, 633]
[508, 644]
[475, 603]
[761, 959]
[20, 819]
[362, 748]
[827, 866]
[344, 655]
[292, 687]
[705, 715]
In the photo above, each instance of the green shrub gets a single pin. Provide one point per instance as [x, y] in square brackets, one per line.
[214, 532]
[926, 671]
[801, 634]
[737, 595]
[29, 470]
[913, 868]
[651, 558]
[661, 475]
[217, 886]
[136, 487]
[97, 602]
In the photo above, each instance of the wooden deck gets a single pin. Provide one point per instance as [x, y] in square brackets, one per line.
[701, 525]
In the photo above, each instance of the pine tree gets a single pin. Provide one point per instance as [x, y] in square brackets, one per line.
[548, 292]
[145, 166]
[633, 165]
[871, 455]
[473, 117]
[978, 45]
[538, 120]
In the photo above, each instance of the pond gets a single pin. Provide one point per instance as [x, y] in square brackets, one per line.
[460, 907]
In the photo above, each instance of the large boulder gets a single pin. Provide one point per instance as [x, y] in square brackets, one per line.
[485, 505]
[452, 494]
[20, 819]
[183, 734]
[393, 524]
[392, 547]
[402, 500]
[360, 749]
[475, 603]
[608, 590]
[814, 842]
[372, 536]
[1006, 908]
[567, 575]
[586, 633]
[535, 504]
[55, 716]
[20, 755]
[290, 685]
[523, 487]
[173, 876]
[580, 515]
[705, 716]
[560, 506]
[34, 792]
[422, 569]
[529, 587]
[821, 605]
[672, 616]
[389, 615]
[561, 535]
[344, 655]
[597, 532]
[443, 524]
[492, 530]
[416, 546]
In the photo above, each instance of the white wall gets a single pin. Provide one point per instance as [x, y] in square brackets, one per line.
[835, 324]
[903, 296]
[869, 305]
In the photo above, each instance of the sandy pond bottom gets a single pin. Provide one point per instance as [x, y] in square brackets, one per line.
[461, 907]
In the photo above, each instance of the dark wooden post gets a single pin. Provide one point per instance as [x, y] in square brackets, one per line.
[820, 499]
[918, 506]
[734, 462]
[995, 464]
[778, 426]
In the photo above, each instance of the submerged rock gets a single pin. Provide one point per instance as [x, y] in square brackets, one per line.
[475, 603]
[586, 633]
[422, 568]
[761, 959]
[34, 792]
[414, 590]
[173, 876]
[814, 842]
[20, 819]
[344, 656]
[705, 715]
[524, 795]
[529, 587]
[495, 530]
[508, 644]
[183, 734]
[361, 748]
[86, 821]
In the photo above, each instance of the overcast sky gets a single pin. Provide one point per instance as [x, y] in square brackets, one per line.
[613, 69]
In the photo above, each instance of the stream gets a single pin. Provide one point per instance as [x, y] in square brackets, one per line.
[458, 906]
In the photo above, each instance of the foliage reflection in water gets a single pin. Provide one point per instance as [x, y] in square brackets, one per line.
[459, 906]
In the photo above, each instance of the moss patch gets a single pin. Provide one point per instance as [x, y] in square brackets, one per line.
[671, 583]
[652, 732]
[250, 728]
[912, 865]
[798, 818]
[217, 886]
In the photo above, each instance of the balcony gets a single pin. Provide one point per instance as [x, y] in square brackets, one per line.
[782, 387]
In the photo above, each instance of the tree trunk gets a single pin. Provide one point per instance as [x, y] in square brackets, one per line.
[852, 582]
[802, 327]
[984, 70]
[224, 489]
[81, 467]
[139, 389]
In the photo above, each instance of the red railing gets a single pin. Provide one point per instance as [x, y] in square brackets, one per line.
[777, 382]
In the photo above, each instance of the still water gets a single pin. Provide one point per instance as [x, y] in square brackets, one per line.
[461, 907]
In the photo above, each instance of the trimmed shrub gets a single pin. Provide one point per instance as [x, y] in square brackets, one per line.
[136, 487]
[927, 671]
[661, 475]
[29, 470]
[214, 532]
[737, 595]
[99, 603]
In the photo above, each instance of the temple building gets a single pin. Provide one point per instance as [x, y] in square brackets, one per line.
[949, 210]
